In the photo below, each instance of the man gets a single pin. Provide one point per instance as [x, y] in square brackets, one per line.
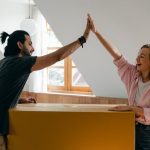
[17, 65]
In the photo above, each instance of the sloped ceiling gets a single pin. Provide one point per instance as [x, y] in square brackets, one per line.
[125, 23]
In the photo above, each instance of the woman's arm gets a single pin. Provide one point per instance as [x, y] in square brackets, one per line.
[50, 59]
[139, 111]
[114, 52]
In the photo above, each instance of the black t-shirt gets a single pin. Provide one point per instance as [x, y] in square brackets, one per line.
[14, 72]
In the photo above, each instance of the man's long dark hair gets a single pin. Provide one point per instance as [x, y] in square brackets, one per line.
[12, 48]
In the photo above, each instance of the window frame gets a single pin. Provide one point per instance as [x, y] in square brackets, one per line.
[67, 79]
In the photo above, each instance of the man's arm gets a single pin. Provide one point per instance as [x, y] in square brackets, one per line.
[24, 100]
[60, 54]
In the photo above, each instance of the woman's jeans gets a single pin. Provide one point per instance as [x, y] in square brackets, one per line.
[142, 137]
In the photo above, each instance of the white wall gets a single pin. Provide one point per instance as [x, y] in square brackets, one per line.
[12, 12]
[125, 22]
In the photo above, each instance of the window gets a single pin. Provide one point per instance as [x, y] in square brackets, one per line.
[63, 75]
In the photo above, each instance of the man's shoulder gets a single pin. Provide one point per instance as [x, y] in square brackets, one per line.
[15, 61]
[17, 58]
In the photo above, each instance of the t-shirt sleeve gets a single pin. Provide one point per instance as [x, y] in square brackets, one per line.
[23, 65]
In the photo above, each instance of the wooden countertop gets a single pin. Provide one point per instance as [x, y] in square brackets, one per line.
[65, 107]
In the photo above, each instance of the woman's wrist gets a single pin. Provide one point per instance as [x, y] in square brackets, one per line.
[138, 110]
[96, 32]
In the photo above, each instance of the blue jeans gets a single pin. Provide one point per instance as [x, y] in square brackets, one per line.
[142, 137]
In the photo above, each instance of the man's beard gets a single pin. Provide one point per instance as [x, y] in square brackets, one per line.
[26, 53]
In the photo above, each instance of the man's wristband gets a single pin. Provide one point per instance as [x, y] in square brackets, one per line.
[82, 40]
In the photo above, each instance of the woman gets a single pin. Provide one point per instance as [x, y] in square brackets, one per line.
[137, 82]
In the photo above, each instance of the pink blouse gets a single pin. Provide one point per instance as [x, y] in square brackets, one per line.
[130, 77]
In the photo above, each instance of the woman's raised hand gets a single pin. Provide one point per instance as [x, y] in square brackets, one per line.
[92, 25]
